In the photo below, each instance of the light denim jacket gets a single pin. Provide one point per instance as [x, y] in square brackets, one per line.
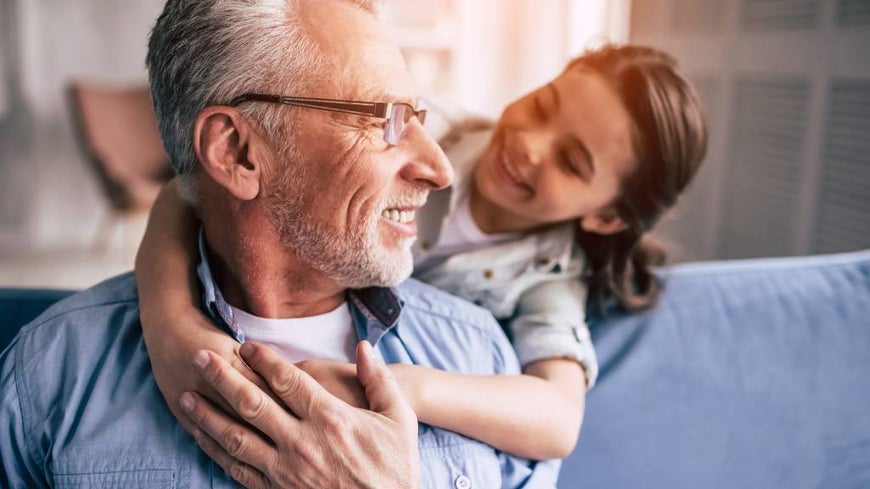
[531, 283]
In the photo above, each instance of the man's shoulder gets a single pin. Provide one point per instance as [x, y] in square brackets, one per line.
[82, 324]
[120, 290]
[450, 333]
[78, 388]
[424, 299]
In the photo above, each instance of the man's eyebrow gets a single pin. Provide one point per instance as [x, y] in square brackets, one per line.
[395, 98]
[389, 96]
[379, 94]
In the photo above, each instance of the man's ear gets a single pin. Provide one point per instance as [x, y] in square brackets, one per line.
[223, 144]
[604, 222]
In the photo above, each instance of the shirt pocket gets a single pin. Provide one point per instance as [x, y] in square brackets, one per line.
[99, 470]
[128, 479]
[450, 460]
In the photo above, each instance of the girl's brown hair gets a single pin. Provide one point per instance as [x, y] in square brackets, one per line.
[670, 141]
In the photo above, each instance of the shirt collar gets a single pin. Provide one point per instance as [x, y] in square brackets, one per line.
[375, 310]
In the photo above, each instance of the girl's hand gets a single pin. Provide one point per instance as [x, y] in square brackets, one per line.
[338, 378]
[172, 357]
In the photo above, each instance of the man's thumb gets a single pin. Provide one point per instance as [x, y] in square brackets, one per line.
[382, 391]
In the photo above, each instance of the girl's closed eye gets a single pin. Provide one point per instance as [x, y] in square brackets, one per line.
[577, 165]
[569, 165]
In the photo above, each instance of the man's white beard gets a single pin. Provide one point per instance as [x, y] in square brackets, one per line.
[355, 260]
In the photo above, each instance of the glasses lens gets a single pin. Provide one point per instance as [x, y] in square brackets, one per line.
[400, 116]
[396, 124]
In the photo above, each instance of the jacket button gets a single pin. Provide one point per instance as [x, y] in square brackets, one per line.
[462, 482]
[425, 245]
[488, 274]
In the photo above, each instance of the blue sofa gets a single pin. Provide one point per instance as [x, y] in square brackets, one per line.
[748, 374]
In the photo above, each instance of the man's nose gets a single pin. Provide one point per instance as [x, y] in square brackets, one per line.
[428, 164]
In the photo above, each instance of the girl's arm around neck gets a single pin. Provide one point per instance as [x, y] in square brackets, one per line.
[173, 327]
[536, 415]
[166, 261]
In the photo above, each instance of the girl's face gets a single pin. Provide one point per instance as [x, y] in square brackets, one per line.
[560, 153]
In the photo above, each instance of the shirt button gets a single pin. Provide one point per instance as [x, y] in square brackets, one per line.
[488, 274]
[462, 482]
[542, 262]
[425, 245]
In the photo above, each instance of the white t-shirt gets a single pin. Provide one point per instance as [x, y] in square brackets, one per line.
[329, 336]
[459, 232]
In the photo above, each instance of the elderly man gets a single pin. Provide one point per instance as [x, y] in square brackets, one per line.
[306, 198]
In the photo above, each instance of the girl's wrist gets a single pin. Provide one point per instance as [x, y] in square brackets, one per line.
[413, 387]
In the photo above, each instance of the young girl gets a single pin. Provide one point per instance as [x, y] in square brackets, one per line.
[548, 204]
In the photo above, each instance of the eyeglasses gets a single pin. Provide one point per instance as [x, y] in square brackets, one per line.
[397, 114]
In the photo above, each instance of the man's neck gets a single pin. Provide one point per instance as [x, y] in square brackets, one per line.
[256, 274]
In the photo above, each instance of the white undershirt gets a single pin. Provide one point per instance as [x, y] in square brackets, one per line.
[329, 336]
[459, 232]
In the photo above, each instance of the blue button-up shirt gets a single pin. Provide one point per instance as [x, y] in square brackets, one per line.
[79, 406]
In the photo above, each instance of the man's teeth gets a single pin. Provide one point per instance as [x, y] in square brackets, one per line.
[398, 216]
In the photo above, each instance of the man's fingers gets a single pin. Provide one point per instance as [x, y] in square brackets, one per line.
[250, 403]
[240, 366]
[249, 477]
[383, 392]
[293, 386]
[241, 472]
[237, 440]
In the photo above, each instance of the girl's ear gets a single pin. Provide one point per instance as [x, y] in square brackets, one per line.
[603, 222]
[224, 145]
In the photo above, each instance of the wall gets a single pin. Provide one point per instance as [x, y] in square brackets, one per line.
[787, 88]
[48, 197]
[508, 47]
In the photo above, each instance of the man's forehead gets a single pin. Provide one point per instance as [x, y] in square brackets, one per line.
[362, 61]
[377, 72]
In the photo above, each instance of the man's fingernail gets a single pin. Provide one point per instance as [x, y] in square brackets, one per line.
[201, 359]
[187, 402]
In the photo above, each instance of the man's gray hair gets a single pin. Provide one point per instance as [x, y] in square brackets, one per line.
[205, 52]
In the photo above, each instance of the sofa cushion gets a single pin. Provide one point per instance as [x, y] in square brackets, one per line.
[753, 373]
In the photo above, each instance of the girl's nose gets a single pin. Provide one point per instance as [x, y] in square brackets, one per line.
[536, 146]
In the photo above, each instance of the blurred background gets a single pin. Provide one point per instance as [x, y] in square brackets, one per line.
[786, 84]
